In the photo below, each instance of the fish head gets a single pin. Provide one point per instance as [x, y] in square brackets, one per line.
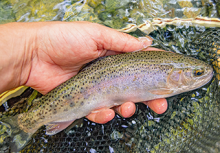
[189, 75]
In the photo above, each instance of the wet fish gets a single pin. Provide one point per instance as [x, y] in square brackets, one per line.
[106, 82]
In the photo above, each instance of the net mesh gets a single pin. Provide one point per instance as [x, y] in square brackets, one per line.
[191, 123]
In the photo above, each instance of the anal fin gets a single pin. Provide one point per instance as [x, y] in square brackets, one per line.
[55, 127]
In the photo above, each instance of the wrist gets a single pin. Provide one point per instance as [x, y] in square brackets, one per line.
[17, 42]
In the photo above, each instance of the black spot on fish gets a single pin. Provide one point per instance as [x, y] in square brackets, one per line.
[82, 103]
[72, 104]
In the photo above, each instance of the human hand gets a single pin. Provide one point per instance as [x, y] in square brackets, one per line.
[55, 52]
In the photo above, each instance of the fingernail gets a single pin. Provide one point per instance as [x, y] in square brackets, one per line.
[147, 41]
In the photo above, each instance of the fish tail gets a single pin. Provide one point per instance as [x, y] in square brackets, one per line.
[18, 137]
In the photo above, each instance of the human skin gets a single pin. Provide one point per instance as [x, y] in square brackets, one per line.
[43, 55]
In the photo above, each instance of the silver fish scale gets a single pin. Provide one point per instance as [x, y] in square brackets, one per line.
[96, 85]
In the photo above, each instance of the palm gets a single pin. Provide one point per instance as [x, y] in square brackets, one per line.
[63, 50]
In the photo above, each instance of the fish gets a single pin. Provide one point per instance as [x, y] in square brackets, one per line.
[107, 82]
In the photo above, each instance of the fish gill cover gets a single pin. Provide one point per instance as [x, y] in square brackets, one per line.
[191, 123]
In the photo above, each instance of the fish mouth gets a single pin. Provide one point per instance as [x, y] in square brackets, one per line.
[209, 75]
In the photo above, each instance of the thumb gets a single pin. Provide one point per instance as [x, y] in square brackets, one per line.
[113, 40]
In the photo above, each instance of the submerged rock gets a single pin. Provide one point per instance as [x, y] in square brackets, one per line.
[6, 13]
[39, 10]
[80, 12]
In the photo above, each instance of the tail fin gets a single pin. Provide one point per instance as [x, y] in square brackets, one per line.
[18, 137]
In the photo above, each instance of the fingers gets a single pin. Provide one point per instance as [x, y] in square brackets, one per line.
[104, 115]
[109, 52]
[159, 106]
[126, 110]
[101, 116]
[152, 49]
[110, 39]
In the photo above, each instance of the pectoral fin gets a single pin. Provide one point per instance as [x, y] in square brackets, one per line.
[55, 127]
[161, 91]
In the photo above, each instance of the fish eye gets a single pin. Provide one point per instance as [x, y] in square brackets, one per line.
[198, 72]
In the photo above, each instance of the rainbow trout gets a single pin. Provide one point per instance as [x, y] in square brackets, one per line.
[110, 81]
